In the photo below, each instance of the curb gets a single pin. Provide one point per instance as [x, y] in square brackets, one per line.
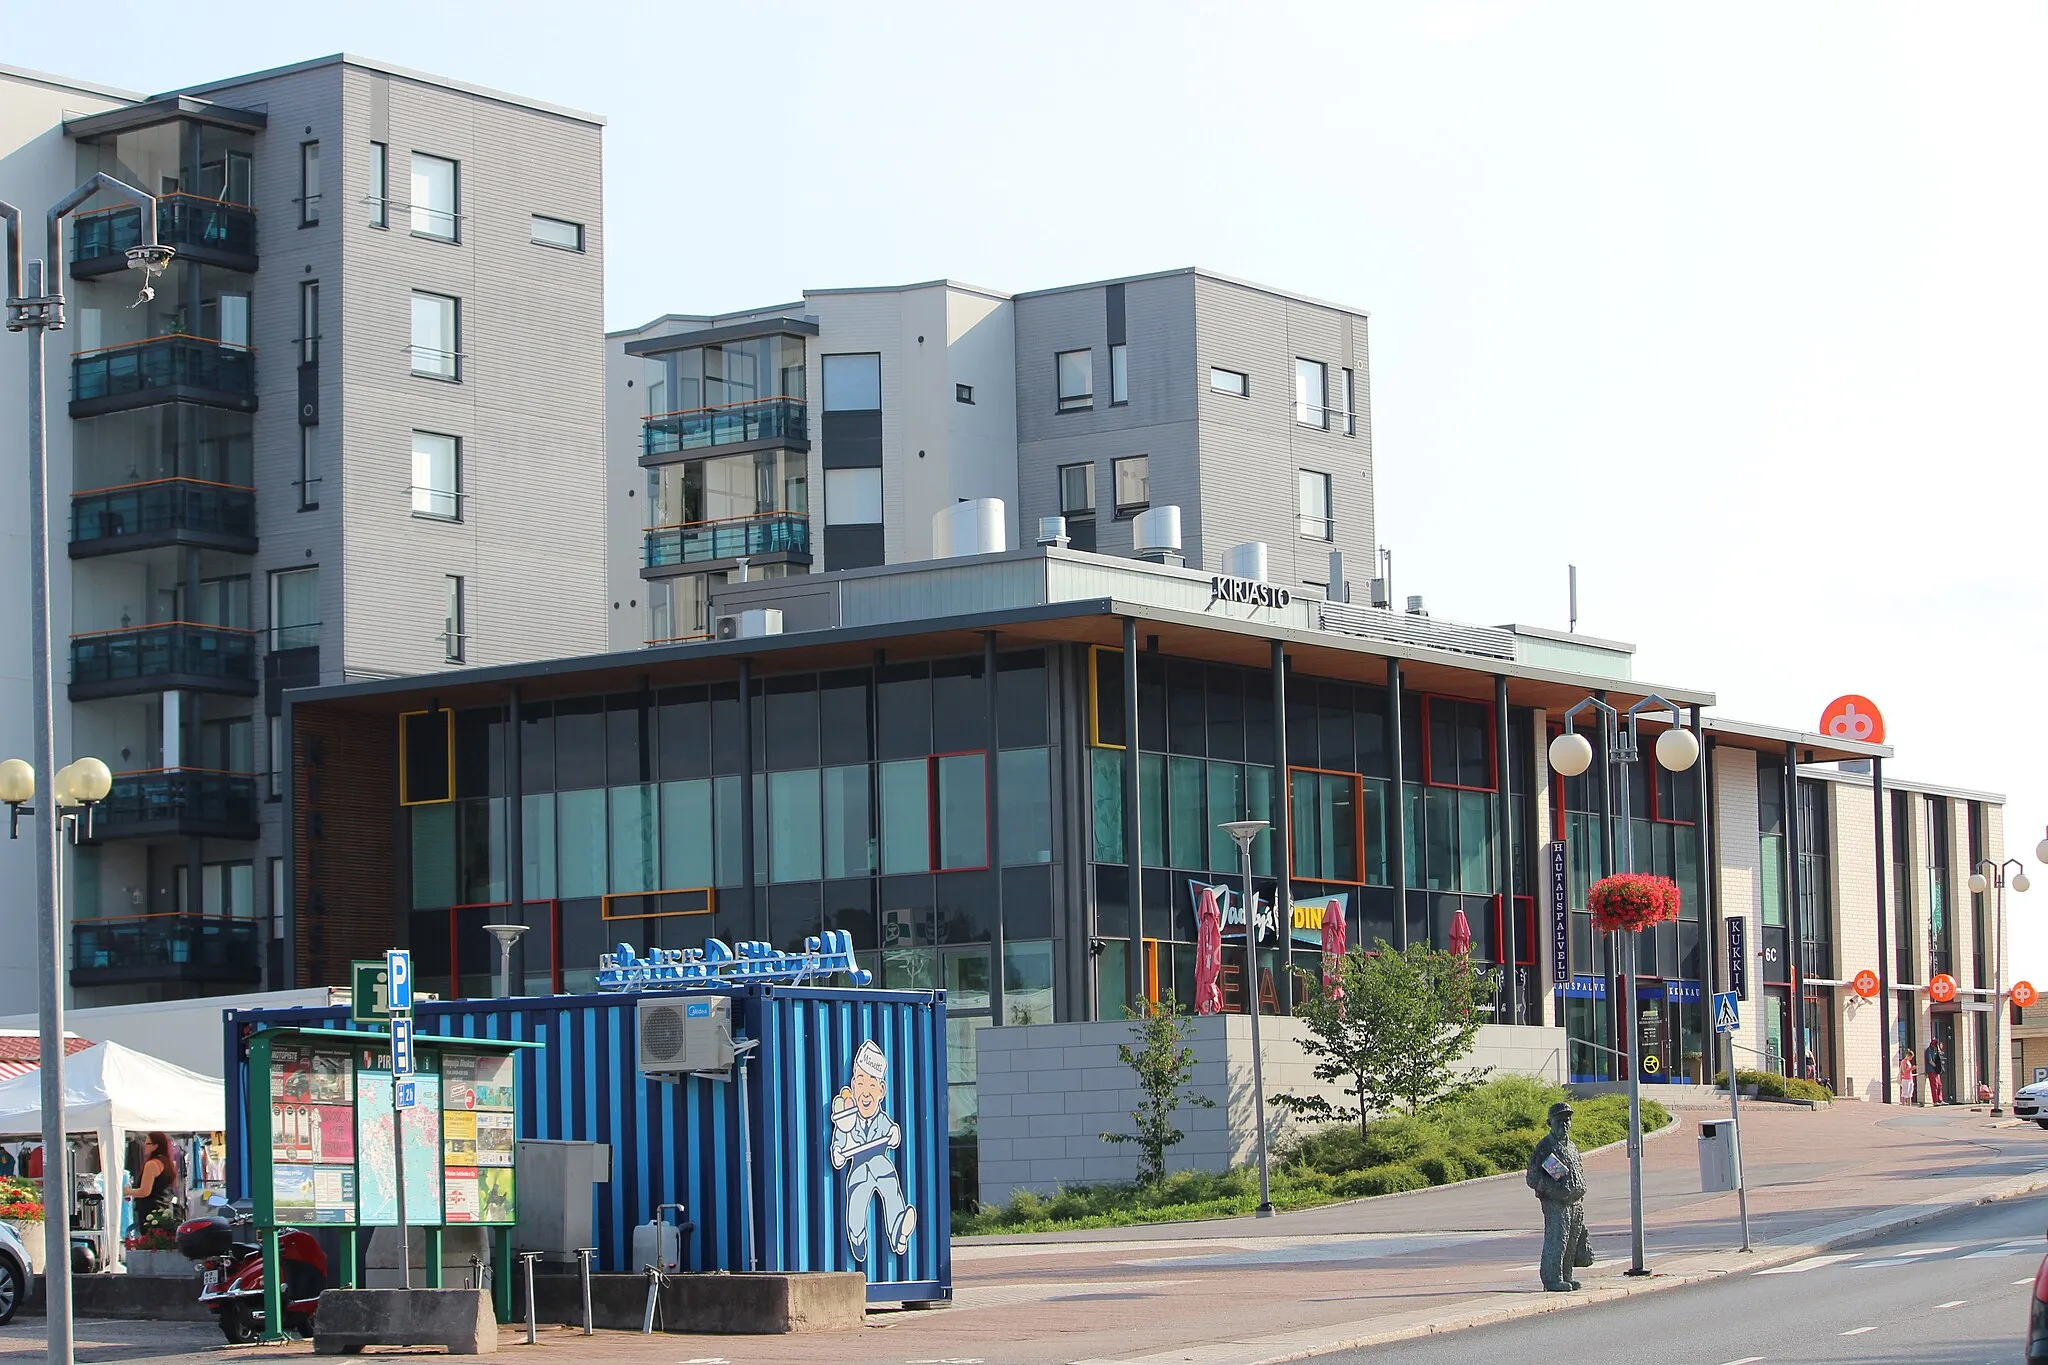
[1291, 1347]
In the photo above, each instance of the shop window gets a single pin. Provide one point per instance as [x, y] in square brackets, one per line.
[1106, 789]
[1105, 697]
[849, 844]
[1326, 818]
[1028, 982]
[960, 810]
[686, 833]
[906, 817]
[1023, 777]
[1021, 700]
[426, 757]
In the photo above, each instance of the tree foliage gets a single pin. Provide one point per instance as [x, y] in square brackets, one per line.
[1164, 1064]
[1393, 1034]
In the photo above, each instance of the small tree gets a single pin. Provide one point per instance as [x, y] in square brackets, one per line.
[1403, 1022]
[1164, 1063]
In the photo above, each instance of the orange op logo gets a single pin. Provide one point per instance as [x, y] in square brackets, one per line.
[2024, 995]
[1853, 717]
[1942, 988]
[1866, 983]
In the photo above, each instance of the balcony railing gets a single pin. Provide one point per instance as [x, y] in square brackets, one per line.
[163, 512]
[210, 230]
[170, 654]
[703, 542]
[163, 802]
[760, 419]
[177, 948]
[163, 369]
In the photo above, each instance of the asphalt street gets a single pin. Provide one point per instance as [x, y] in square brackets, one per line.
[1954, 1291]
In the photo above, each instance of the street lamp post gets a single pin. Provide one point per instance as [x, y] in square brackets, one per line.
[1571, 754]
[35, 303]
[1986, 876]
[1244, 831]
[507, 935]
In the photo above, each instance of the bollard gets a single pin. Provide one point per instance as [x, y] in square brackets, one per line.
[653, 1299]
[476, 1271]
[529, 1257]
[583, 1255]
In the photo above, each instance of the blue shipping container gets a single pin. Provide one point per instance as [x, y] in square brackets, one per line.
[845, 1124]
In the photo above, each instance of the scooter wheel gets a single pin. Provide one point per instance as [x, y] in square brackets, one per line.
[241, 1323]
[299, 1324]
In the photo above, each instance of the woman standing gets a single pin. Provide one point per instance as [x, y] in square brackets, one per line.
[158, 1191]
[1937, 1070]
[1907, 1093]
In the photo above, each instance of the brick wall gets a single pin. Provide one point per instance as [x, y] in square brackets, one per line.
[344, 842]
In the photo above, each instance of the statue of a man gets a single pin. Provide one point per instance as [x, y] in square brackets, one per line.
[1559, 1179]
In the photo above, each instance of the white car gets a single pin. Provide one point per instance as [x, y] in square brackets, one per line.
[14, 1276]
[2032, 1103]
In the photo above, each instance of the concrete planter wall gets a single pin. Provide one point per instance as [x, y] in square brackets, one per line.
[1048, 1092]
[31, 1235]
[166, 1264]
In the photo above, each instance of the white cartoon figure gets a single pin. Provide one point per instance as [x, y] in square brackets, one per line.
[863, 1142]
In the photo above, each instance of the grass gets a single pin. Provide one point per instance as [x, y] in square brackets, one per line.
[1491, 1129]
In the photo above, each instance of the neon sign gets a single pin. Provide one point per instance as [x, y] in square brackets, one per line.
[715, 964]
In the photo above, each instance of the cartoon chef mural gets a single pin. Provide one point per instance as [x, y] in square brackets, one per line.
[864, 1140]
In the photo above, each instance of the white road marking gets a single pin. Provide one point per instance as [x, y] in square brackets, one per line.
[1857, 1331]
[1889, 1260]
[1952, 1303]
[2028, 1280]
[1801, 1267]
[1746, 1360]
[1989, 1252]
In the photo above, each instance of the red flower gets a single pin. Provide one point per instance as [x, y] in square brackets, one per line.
[1632, 901]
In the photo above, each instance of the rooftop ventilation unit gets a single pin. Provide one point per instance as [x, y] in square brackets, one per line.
[1246, 561]
[1416, 607]
[1053, 531]
[1155, 536]
[971, 526]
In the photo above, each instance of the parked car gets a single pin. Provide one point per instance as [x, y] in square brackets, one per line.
[14, 1276]
[2032, 1103]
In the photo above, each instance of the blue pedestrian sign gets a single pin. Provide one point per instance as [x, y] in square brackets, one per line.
[406, 1094]
[398, 981]
[1727, 1013]
[401, 1047]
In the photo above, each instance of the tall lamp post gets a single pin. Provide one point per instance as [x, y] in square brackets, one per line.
[1571, 754]
[35, 303]
[1244, 831]
[508, 936]
[1986, 876]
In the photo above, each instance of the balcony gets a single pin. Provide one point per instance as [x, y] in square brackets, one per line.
[774, 536]
[164, 803]
[162, 512]
[209, 231]
[759, 424]
[166, 369]
[194, 949]
[160, 658]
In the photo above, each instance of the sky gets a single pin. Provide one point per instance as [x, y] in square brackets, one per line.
[1734, 307]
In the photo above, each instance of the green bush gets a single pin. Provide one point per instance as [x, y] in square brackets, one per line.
[1774, 1086]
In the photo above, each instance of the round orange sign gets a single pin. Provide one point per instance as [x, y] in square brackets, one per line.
[2024, 995]
[1866, 983]
[1942, 988]
[1853, 717]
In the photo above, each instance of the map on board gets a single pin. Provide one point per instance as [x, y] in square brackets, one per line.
[377, 1189]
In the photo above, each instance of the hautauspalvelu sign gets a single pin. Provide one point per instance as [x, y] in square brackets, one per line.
[715, 964]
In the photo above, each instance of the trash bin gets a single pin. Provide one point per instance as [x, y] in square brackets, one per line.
[1717, 1156]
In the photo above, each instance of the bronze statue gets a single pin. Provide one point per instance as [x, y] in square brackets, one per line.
[1559, 1179]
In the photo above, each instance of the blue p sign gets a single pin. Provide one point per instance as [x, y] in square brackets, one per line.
[398, 981]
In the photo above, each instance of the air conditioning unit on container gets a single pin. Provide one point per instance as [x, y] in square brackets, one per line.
[686, 1036]
[746, 625]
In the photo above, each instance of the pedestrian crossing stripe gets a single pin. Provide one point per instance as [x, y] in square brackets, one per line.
[1905, 1256]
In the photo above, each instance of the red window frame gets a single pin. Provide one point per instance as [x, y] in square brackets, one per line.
[554, 940]
[1492, 749]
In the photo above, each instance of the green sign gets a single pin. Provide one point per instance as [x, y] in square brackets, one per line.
[366, 993]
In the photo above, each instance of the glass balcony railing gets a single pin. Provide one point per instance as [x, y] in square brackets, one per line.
[762, 419]
[178, 801]
[704, 541]
[157, 366]
[191, 224]
[163, 511]
[166, 948]
[173, 653]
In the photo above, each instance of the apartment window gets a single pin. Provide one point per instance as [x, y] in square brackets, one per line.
[853, 383]
[1076, 370]
[309, 183]
[309, 321]
[309, 471]
[1314, 517]
[557, 232]
[963, 393]
[1232, 382]
[1133, 479]
[295, 608]
[380, 185]
[452, 631]
[435, 211]
[274, 751]
[1311, 393]
[1119, 374]
[1349, 395]
[853, 497]
[436, 476]
[436, 337]
[1077, 490]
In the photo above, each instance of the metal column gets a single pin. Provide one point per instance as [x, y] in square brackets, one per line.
[992, 796]
[756, 901]
[1397, 805]
[1281, 842]
[1884, 952]
[515, 837]
[1134, 853]
[1504, 851]
[1801, 1043]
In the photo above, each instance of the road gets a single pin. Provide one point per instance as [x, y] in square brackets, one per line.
[1954, 1291]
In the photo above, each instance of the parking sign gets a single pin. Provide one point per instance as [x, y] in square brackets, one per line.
[398, 981]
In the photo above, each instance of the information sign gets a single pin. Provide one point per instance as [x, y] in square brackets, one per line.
[2024, 995]
[1942, 988]
[401, 1047]
[366, 992]
[1560, 914]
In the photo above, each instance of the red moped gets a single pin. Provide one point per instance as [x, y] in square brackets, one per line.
[231, 1274]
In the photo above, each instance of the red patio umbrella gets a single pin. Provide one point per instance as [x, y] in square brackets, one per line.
[1333, 949]
[1208, 953]
[1461, 934]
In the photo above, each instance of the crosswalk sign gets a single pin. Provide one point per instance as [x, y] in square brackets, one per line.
[1727, 1013]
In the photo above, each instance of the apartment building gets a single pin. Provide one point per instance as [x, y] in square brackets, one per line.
[829, 433]
[357, 433]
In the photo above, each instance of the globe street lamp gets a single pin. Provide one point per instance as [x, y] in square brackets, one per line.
[1571, 754]
[1987, 876]
[1244, 831]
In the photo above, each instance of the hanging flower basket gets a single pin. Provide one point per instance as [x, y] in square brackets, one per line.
[1631, 902]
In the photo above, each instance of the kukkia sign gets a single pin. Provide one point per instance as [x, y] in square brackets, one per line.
[1738, 959]
[715, 964]
[1560, 914]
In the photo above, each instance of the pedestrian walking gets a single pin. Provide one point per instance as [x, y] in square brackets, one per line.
[1936, 1065]
[1907, 1093]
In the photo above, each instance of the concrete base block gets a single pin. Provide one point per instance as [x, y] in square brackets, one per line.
[459, 1319]
[145, 1298]
[745, 1304]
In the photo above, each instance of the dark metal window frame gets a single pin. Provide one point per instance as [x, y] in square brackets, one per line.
[455, 614]
[963, 393]
[455, 356]
[453, 236]
[581, 235]
[1328, 533]
[309, 498]
[1244, 389]
[380, 184]
[1119, 396]
[1073, 402]
[454, 493]
[309, 197]
[1125, 511]
[1060, 475]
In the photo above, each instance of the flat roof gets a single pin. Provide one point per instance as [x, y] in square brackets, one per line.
[30, 76]
[690, 338]
[1812, 747]
[165, 109]
[1856, 779]
[1200, 272]
[403, 73]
